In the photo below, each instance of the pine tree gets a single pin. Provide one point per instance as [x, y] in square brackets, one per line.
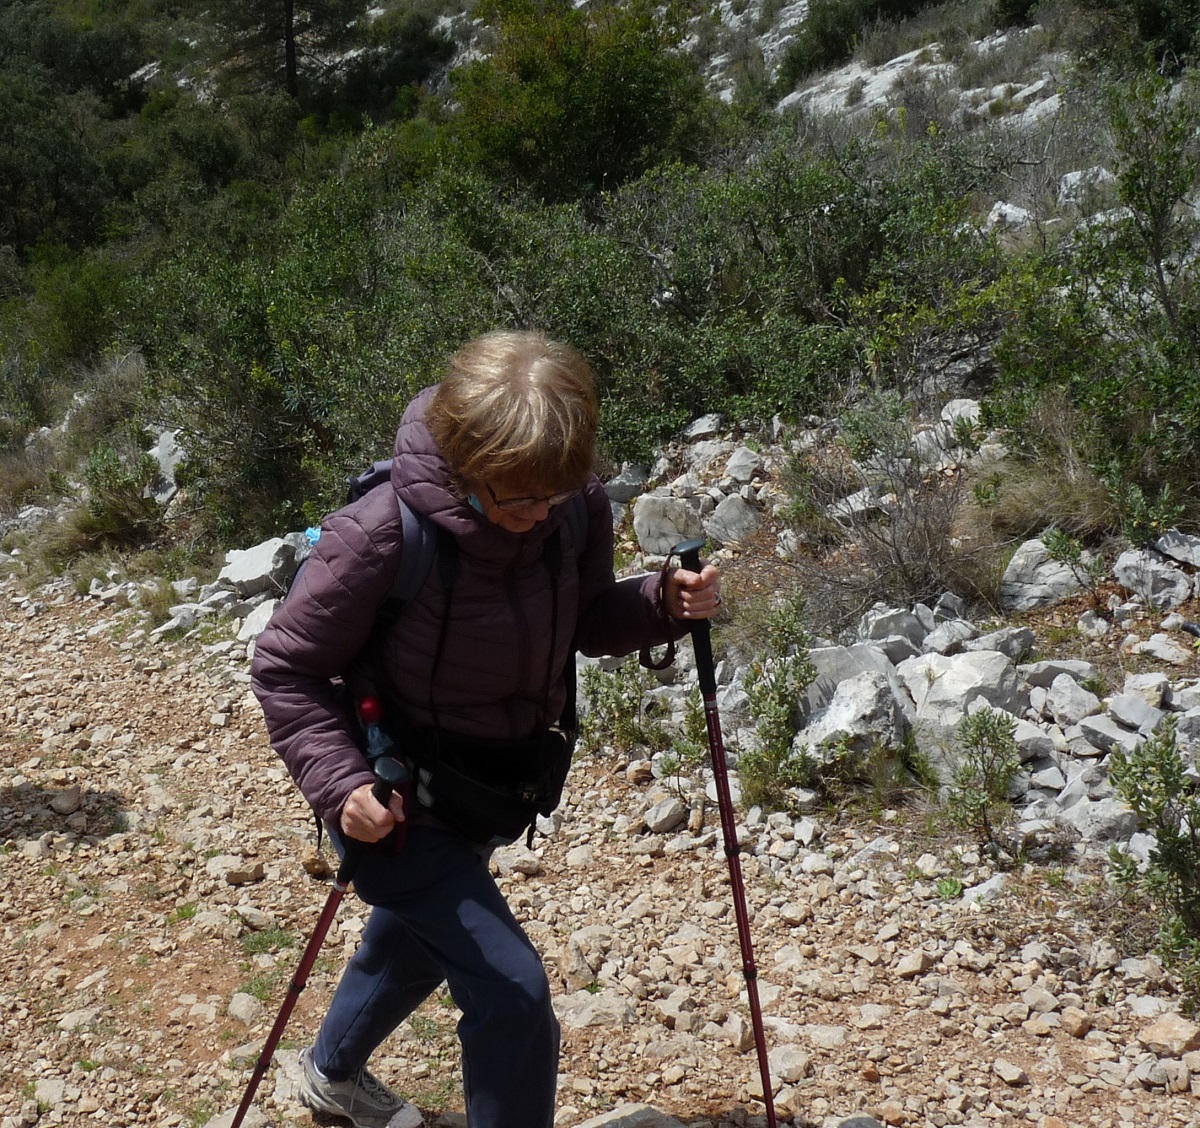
[271, 44]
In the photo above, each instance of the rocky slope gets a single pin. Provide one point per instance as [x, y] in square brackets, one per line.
[154, 892]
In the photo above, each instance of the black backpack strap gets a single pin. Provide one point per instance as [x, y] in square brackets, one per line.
[447, 562]
[375, 475]
[423, 543]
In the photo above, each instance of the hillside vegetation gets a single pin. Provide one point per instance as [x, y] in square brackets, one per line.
[269, 236]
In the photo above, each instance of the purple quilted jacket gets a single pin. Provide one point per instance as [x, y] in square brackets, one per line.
[499, 674]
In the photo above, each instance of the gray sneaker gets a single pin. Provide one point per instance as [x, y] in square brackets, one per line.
[363, 1099]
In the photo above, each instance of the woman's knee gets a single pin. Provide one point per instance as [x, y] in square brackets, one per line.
[527, 987]
[516, 991]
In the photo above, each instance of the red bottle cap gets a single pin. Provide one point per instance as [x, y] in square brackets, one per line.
[370, 710]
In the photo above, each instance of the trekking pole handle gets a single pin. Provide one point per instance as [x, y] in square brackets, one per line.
[389, 775]
[689, 556]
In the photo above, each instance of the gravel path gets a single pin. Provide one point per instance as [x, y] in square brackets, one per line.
[154, 892]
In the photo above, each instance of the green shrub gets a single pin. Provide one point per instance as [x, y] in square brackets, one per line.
[50, 181]
[689, 748]
[988, 760]
[289, 365]
[1129, 31]
[1125, 367]
[826, 39]
[767, 775]
[775, 680]
[117, 501]
[62, 322]
[760, 288]
[1143, 521]
[1014, 13]
[402, 52]
[830, 31]
[1152, 780]
[953, 25]
[876, 426]
[617, 714]
[572, 101]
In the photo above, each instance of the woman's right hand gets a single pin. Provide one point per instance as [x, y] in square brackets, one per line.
[365, 818]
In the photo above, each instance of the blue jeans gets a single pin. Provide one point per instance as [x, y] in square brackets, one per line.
[437, 914]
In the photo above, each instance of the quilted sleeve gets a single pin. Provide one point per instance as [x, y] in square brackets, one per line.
[615, 616]
[314, 636]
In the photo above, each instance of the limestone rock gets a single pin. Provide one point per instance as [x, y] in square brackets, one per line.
[943, 686]
[584, 1009]
[1180, 547]
[631, 1116]
[1147, 574]
[1172, 1035]
[1032, 579]
[732, 522]
[1009, 1073]
[863, 711]
[660, 523]
[1068, 702]
[1165, 649]
[267, 567]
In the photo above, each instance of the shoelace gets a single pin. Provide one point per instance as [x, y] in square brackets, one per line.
[370, 1086]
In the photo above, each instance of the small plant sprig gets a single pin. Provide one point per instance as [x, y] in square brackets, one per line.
[1089, 570]
[689, 746]
[774, 682]
[1143, 521]
[966, 433]
[988, 761]
[1152, 781]
[949, 888]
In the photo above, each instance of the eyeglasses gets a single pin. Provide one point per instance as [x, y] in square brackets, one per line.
[511, 504]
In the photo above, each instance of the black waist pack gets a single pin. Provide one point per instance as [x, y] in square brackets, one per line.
[490, 791]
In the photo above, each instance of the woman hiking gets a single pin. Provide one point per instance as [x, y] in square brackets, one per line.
[470, 673]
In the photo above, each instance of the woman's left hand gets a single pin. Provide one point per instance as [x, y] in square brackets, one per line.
[692, 595]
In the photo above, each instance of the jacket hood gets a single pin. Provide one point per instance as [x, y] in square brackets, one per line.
[421, 478]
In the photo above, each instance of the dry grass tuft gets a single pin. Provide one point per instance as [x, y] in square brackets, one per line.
[1053, 488]
[1027, 498]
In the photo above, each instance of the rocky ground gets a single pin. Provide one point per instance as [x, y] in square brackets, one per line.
[154, 896]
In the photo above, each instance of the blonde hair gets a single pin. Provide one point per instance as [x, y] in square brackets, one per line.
[516, 407]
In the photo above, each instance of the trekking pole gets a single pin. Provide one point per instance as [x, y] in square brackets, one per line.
[389, 775]
[689, 557]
